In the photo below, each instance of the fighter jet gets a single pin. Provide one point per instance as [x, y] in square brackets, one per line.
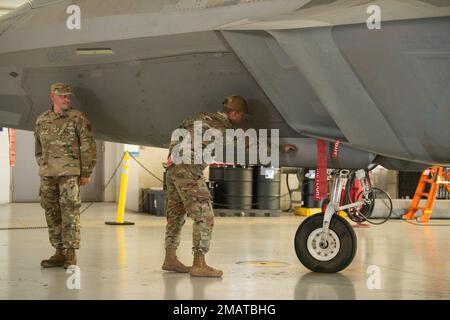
[374, 75]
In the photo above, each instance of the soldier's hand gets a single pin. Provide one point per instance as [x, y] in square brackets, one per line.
[84, 181]
[169, 162]
[287, 148]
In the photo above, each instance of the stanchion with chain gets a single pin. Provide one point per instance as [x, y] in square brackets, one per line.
[122, 195]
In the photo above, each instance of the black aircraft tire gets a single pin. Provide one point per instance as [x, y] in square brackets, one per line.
[336, 256]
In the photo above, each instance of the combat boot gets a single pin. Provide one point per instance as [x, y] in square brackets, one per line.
[171, 262]
[201, 269]
[71, 258]
[56, 260]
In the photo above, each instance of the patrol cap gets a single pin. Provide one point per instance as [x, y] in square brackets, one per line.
[61, 89]
[236, 103]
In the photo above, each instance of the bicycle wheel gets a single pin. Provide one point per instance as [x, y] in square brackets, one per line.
[364, 211]
[379, 202]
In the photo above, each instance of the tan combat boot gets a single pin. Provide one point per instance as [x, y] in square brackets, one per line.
[201, 269]
[171, 262]
[71, 258]
[56, 260]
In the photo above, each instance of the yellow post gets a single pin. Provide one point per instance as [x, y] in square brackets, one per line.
[123, 188]
[122, 193]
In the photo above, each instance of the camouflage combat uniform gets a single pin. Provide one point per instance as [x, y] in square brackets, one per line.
[65, 150]
[187, 192]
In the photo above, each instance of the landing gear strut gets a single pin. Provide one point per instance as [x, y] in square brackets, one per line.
[326, 242]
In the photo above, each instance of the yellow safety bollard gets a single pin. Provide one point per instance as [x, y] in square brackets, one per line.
[122, 195]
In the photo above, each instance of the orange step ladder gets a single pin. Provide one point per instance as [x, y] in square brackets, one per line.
[435, 177]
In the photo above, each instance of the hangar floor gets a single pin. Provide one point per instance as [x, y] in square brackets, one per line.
[124, 262]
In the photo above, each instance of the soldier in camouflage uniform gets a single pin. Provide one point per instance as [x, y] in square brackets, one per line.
[188, 194]
[66, 154]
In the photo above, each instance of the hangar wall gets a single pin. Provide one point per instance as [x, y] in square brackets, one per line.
[152, 159]
[110, 165]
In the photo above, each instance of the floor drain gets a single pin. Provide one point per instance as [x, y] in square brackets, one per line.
[271, 264]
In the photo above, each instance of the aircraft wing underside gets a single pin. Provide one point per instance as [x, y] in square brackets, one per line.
[386, 91]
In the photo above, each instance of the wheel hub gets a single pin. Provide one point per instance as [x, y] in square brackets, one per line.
[323, 244]
[320, 249]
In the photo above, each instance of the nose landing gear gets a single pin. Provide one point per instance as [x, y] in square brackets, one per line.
[326, 242]
[328, 256]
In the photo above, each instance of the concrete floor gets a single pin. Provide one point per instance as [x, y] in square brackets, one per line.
[124, 262]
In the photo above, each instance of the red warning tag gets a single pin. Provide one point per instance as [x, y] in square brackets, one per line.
[336, 146]
[320, 183]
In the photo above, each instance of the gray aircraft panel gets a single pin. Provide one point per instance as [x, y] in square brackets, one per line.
[395, 103]
[277, 74]
[319, 13]
[126, 19]
[123, 50]
[133, 101]
[306, 154]
[318, 57]
[408, 78]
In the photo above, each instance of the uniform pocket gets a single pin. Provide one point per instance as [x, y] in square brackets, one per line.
[70, 191]
[193, 190]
